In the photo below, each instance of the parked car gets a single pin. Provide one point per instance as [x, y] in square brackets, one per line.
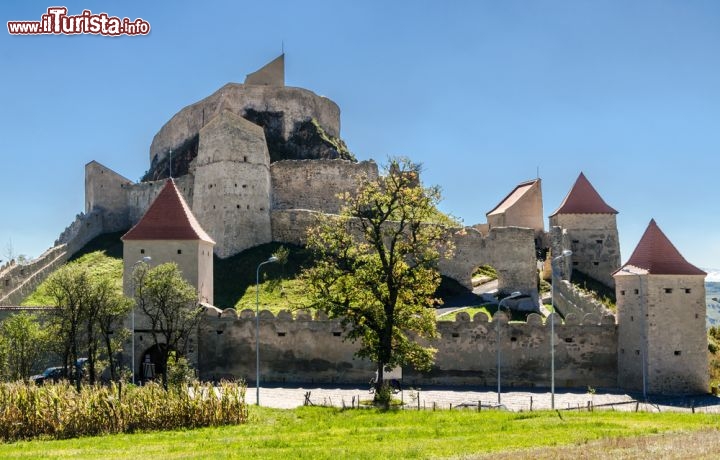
[51, 374]
[56, 373]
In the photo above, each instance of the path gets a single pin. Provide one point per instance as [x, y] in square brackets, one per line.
[516, 400]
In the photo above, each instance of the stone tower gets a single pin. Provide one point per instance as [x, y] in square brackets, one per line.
[168, 232]
[232, 184]
[591, 227]
[662, 341]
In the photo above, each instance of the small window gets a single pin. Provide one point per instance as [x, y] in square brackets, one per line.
[637, 292]
[668, 290]
[244, 185]
[688, 291]
[336, 334]
[622, 351]
[237, 206]
[637, 352]
[179, 251]
[569, 340]
[7, 282]
[281, 334]
[575, 241]
[236, 185]
[574, 264]
[678, 352]
[697, 316]
[455, 334]
[209, 185]
[596, 263]
[245, 159]
[632, 318]
[142, 251]
[622, 292]
[219, 332]
[598, 241]
[513, 339]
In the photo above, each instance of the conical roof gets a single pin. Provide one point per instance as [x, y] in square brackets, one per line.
[657, 255]
[168, 218]
[583, 199]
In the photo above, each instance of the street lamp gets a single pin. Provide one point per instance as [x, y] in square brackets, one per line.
[144, 260]
[257, 327]
[565, 253]
[643, 335]
[497, 329]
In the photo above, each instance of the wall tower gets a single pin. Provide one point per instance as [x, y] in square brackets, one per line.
[662, 342]
[592, 230]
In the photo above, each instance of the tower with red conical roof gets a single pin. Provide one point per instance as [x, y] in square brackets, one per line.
[590, 228]
[169, 232]
[662, 341]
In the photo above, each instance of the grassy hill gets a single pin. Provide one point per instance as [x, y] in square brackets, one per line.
[234, 277]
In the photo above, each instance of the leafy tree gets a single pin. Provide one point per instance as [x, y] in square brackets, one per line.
[71, 289]
[87, 319]
[23, 345]
[111, 308]
[170, 304]
[376, 267]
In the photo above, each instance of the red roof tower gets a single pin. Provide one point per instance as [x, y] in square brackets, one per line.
[657, 255]
[583, 199]
[168, 218]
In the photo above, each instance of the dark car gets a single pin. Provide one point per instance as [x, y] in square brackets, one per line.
[56, 373]
[51, 374]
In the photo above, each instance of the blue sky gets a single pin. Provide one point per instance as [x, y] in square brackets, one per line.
[484, 94]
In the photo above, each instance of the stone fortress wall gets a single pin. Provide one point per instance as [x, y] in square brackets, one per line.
[305, 349]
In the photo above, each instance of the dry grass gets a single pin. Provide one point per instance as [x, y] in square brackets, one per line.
[695, 445]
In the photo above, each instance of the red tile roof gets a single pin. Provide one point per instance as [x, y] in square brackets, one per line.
[656, 254]
[168, 218]
[513, 197]
[583, 199]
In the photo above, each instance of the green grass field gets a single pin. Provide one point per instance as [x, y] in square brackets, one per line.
[317, 432]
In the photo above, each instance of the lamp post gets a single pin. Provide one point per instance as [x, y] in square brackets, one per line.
[257, 327]
[643, 340]
[565, 253]
[497, 329]
[144, 260]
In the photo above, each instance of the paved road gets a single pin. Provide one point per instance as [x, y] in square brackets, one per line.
[516, 400]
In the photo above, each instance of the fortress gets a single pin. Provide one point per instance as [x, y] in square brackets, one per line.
[254, 163]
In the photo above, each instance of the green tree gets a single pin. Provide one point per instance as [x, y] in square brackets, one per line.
[376, 267]
[23, 346]
[111, 309]
[71, 289]
[170, 305]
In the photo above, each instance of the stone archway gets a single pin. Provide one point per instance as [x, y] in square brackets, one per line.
[510, 250]
[152, 363]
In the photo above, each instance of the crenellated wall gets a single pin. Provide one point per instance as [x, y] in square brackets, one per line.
[303, 349]
[316, 184]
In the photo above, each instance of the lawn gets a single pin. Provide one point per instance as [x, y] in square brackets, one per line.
[317, 432]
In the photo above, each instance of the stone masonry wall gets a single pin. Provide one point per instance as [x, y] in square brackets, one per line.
[594, 242]
[306, 350]
[296, 105]
[315, 184]
[18, 281]
[510, 250]
[569, 299]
